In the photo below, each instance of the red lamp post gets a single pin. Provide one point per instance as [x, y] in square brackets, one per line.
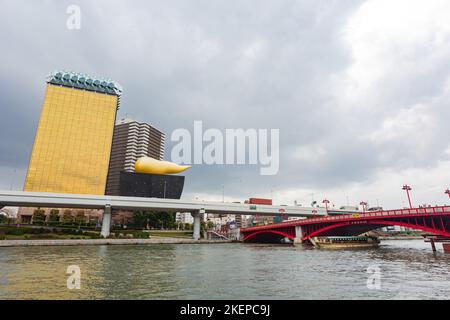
[363, 204]
[448, 192]
[408, 189]
[326, 204]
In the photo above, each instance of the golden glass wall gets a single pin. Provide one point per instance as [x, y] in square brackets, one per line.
[73, 142]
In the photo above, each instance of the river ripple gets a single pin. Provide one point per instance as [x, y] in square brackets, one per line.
[408, 270]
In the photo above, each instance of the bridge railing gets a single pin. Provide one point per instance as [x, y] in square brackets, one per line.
[429, 210]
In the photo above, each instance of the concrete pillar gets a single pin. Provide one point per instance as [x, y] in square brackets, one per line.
[238, 235]
[298, 234]
[197, 223]
[433, 246]
[106, 222]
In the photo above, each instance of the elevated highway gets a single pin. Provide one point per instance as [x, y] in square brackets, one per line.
[110, 203]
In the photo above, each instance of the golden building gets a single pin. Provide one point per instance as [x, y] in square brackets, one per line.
[72, 147]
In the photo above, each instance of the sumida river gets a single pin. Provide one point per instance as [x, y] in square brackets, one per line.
[397, 270]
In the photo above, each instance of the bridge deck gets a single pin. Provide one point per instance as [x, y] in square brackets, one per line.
[53, 200]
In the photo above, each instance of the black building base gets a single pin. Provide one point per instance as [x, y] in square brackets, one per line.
[151, 185]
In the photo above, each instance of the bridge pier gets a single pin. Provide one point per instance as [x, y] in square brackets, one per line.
[298, 234]
[106, 222]
[197, 223]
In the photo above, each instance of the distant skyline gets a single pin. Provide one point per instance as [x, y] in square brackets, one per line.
[358, 89]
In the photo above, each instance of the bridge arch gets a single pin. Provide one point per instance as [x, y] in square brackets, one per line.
[278, 235]
[347, 228]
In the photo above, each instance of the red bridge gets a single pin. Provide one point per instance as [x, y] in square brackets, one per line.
[434, 220]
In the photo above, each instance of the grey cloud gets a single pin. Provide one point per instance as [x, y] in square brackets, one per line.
[182, 61]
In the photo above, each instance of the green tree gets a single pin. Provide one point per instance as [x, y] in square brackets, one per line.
[39, 217]
[180, 225]
[67, 217]
[170, 220]
[80, 218]
[53, 218]
[3, 218]
[202, 228]
[139, 219]
[93, 221]
[153, 221]
[156, 220]
[162, 220]
[209, 225]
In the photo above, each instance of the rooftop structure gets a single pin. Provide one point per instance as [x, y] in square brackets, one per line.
[84, 82]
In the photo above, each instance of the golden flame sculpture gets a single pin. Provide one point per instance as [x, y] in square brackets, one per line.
[150, 165]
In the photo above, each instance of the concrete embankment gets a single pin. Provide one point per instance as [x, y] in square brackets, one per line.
[88, 242]
[400, 238]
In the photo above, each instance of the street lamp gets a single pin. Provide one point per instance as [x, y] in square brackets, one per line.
[448, 192]
[326, 204]
[408, 189]
[363, 204]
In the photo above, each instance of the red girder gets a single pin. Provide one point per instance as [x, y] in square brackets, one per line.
[376, 224]
[252, 235]
[322, 230]
[419, 218]
[444, 233]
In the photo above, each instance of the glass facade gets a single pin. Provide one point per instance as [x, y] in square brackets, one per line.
[73, 141]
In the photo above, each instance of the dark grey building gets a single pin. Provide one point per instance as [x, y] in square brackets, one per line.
[132, 140]
[151, 185]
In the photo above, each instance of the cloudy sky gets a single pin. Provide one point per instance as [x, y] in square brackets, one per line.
[360, 90]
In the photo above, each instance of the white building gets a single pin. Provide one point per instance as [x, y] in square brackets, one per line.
[184, 217]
